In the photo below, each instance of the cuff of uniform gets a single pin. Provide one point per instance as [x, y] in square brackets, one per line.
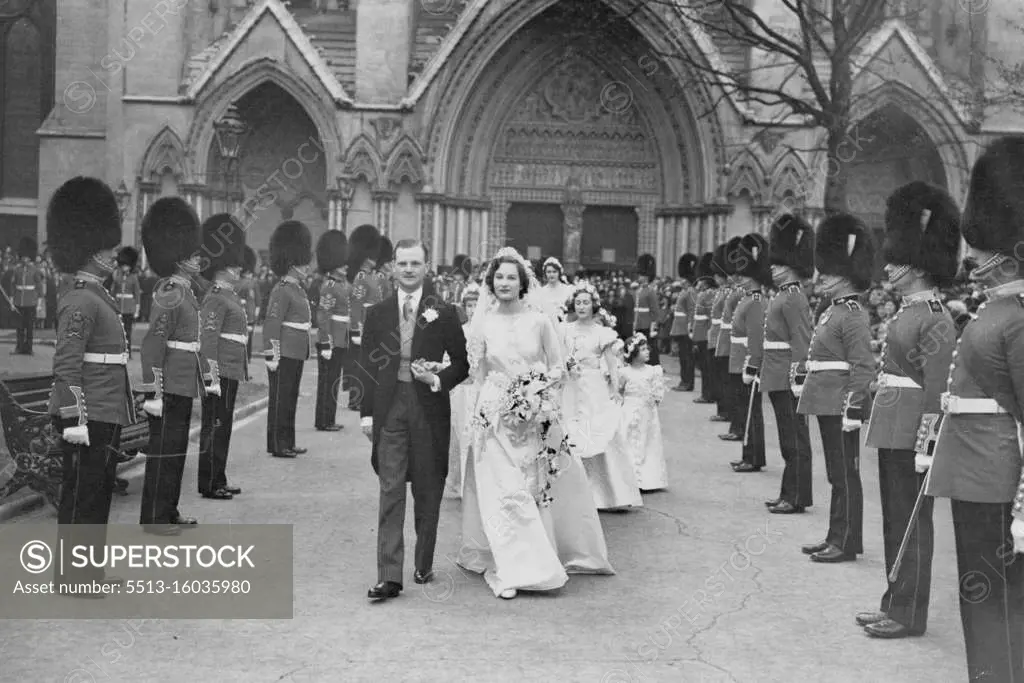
[927, 433]
[855, 414]
[324, 346]
[366, 422]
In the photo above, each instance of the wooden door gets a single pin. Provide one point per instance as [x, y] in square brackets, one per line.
[530, 224]
[609, 227]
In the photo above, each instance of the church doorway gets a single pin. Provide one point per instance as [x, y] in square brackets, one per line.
[534, 229]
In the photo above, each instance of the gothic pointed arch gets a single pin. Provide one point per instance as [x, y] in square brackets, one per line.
[313, 99]
[747, 174]
[363, 161]
[405, 163]
[789, 177]
[165, 152]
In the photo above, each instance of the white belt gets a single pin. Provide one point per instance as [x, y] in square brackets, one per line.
[341, 318]
[726, 326]
[821, 365]
[899, 381]
[184, 346]
[643, 310]
[298, 326]
[776, 346]
[716, 321]
[700, 317]
[240, 338]
[742, 341]
[955, 405]
[679, 314]
[105, 358]
[26, 287]
[125, 296]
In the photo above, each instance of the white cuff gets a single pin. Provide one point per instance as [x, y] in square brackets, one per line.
[366, 422]
[435, 384]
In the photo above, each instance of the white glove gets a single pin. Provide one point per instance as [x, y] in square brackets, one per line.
[326, 354]
[366, 425]
[922, 462]
[1017, 531]
[357, 340]
[78, 434]
[850, 425]
[154, 406]
[213, 388]
[271, 365]
[796, 389]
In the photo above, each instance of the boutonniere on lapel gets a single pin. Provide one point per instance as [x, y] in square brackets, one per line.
[430, 315]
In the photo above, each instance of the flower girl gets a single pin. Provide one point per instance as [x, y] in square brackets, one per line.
[463, 398]
[642, 387]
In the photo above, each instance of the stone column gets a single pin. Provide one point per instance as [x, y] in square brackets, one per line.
[383, 204]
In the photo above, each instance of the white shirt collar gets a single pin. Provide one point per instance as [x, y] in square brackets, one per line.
[416, 296]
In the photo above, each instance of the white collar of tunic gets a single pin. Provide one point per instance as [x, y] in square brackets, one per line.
[924, 295]
[1006, 289]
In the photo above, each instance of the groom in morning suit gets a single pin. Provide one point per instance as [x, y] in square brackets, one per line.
[406, 411]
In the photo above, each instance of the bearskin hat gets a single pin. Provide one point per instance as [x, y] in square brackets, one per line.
[792, 245]
[993, 217]
[386, 253]
[81, 220]
[128, 256]
[749, 257]
[704, 267]
[251, 262]
[844, 247]
[27, 248]
[922, 230]
[290, 245]
[331, 251]
[646, 265]
[686, 267]
[223, 244]
[462, 264]
[363, 243]
[722, 263]
[170, 234]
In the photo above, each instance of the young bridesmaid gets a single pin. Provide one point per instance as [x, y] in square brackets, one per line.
[642, 388]
[463, 399]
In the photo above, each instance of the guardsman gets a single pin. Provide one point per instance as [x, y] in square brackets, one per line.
[29, 286]
[977, 459]
[126, 290]
[385, 265]
[746, 354]
[286, 334]
[840, 367]
[363, 250]
[682, 318]
[648, 311]
[249, 295]
[706, 292]
[719, 362]
[91, 399]
[787, 336]
[922, 241]
[732, 382]
[222, 341]
[333, 321]
[171, 365]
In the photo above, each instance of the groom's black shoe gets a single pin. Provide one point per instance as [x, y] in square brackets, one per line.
[423, 577]
[384, 590]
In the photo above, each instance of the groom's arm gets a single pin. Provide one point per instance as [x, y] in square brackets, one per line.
[366, 368]
[455, 346]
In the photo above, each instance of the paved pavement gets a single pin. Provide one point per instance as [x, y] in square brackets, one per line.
[709, 588]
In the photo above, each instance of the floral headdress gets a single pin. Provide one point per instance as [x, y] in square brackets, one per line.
[600, 314]
[552, 261]
[633, 343]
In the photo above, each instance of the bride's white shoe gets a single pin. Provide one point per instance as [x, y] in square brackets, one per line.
[508, 594]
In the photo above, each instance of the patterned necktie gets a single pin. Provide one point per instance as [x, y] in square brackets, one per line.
[407, 308]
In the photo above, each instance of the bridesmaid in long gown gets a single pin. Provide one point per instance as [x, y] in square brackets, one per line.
[590, 411]
[508, 533]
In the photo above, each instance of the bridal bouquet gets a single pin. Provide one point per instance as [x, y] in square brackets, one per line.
[529, 398]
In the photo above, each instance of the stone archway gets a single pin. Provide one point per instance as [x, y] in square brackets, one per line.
[553, 101]
[281, 172]
[895, 150]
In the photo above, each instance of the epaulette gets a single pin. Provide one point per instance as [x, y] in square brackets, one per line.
[935, 306]
[80, 284]
[169, 284]
[215, 289]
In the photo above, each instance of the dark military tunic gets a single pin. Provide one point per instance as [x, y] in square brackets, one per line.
[289, 320]
[224, 333]
[787, 336]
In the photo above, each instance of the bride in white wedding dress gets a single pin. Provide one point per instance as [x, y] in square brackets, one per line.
[528, 515]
